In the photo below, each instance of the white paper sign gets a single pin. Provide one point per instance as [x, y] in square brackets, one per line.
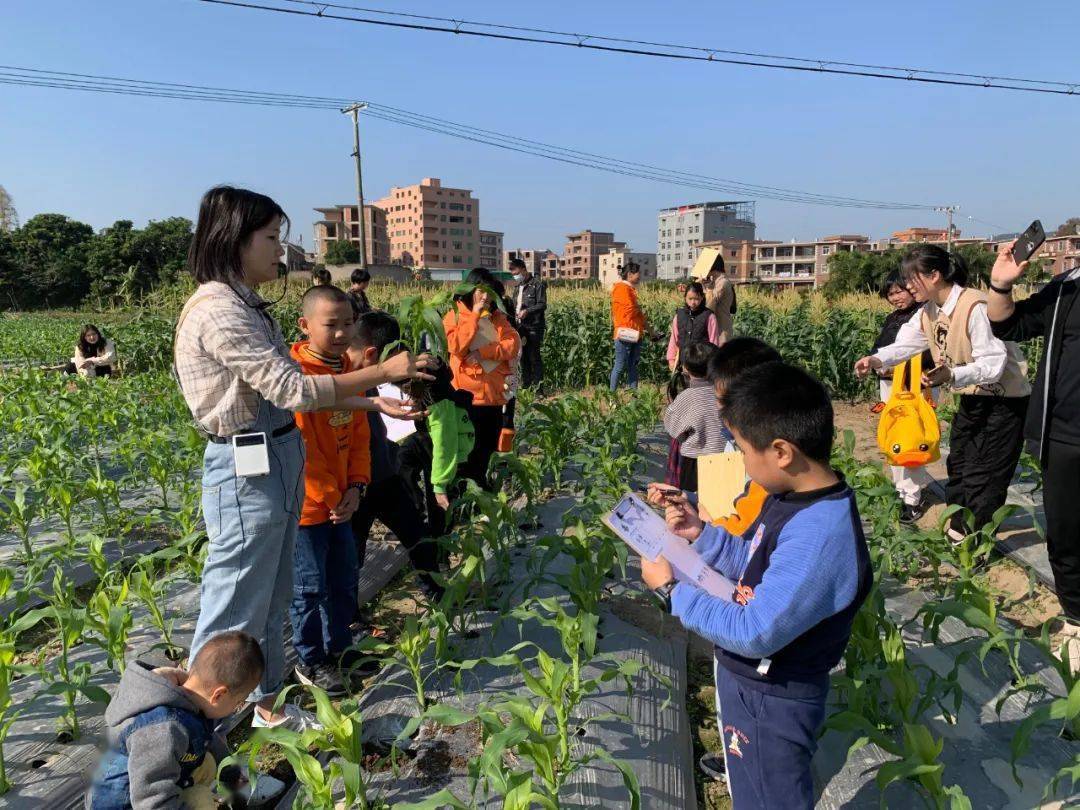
[647, 533]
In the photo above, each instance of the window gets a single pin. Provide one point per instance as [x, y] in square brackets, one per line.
[468, 207]
[457, 231]
[442, 204]
[456, 219]
[457, 245]
[457, 207]
[825, 249]
[456, 260]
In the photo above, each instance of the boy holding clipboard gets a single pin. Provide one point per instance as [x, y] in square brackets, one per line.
[790, 617]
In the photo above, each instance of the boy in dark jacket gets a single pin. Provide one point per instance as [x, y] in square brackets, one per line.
[789, 619]
[160, 732]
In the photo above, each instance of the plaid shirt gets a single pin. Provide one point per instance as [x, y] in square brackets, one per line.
[230, 353]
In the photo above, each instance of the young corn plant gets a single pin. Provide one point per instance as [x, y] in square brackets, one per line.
[150, 592]
[339, 741]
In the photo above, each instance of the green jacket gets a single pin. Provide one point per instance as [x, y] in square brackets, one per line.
[452, 439]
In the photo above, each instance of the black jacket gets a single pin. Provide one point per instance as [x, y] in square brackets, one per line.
[534, 303]
[1054, 411]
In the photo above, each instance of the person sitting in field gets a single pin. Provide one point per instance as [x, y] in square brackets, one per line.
[788, 621]
[162, 749]
[95, 354]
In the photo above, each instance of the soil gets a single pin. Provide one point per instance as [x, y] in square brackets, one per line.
[1029, 603]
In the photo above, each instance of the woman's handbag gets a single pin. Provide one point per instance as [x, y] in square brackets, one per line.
[908, 431]
[627, 335]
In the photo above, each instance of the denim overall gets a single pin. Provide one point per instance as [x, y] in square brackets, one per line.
[247, 582]
[112, 786]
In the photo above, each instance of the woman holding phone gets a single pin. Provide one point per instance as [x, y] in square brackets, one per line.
[989, 375]
[238, 380]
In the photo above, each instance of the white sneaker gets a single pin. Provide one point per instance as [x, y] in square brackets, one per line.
[1069, 651]
[295, 719]
[263, 790]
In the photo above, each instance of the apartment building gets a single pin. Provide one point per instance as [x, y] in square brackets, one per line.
[491, 250]
[738, 257]
[680, 229]
[341, 222]
[431, 225]
[924, 235]
[534, 259]
[609, 264]
[1060, 254]
[581, 256]
[798, 263]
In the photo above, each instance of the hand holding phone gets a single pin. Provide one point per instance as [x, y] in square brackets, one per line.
[1028, 243]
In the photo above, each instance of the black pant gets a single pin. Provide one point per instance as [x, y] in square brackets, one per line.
[102, 371]
[984, 446]
[688, 479]
[532, 364]
[1061, 485]
[487, 423]
[389, 500]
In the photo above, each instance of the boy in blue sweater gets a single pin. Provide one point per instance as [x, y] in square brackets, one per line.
[802, 571]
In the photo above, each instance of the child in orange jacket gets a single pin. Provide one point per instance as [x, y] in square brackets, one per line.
[337, 471]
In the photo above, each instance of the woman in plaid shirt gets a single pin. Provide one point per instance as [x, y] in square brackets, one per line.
[236, 375]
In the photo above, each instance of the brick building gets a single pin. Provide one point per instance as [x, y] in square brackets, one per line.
[341, 222]
[430, 225]
[491, 250]
[581, 256]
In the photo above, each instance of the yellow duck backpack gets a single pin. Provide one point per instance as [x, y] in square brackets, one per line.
[908, 431]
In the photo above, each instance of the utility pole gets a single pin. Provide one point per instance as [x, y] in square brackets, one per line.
[354, 110]
[948, 210]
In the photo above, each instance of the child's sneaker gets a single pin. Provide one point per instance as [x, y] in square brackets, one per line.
[324, 676]
[295, 719]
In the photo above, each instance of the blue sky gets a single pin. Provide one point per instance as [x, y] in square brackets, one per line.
[1004, 157]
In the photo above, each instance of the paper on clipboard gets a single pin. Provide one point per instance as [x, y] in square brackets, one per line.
[645, 532]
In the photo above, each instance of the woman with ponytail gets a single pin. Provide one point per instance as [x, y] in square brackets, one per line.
[988, 375]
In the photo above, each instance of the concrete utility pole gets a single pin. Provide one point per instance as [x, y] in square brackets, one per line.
[354, 110]
[948, 210]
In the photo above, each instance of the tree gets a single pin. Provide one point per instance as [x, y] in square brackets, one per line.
[342, 252]
[51, 251]
[124, 262]
[856, 272]
[1070, 227]
[9, 217]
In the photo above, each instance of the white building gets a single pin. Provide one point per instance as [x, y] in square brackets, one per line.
[679, 229]
[610, 262]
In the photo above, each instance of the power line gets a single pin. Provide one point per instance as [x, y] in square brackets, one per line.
[632, 47]
[35, 77]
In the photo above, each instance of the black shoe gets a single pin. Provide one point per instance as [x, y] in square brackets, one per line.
[430, 588]
[910, 513]
[712, 765]
[324, 676]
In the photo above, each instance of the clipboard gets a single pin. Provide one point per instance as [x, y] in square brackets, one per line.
[637, 525]
[721, 480]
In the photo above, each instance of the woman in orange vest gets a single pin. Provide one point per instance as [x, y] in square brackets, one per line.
[629, 323]
[482, 343]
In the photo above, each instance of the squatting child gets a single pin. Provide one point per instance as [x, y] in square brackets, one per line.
[161, 733]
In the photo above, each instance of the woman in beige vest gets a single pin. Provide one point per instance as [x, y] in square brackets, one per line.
[988, 374]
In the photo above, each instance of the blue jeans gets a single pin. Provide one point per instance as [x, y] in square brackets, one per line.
[626, 357]
[251, 524]
[324, 591]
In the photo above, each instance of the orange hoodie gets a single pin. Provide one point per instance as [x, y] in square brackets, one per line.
[338, 447]
[487, 387]
[625, 311]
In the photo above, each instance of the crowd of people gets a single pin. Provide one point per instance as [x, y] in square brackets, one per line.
[299, 464]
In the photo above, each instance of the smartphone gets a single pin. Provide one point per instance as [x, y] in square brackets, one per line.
[1029, 242]
[250, 455]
